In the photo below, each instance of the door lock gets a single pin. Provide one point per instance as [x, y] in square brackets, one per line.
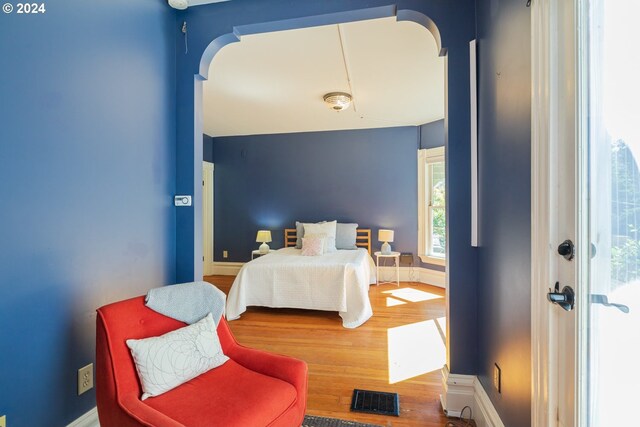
[565, 298]
[567, 250]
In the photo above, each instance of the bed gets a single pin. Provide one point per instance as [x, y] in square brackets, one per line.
[337, 281]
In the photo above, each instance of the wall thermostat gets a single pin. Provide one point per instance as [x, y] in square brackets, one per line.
[182, 200]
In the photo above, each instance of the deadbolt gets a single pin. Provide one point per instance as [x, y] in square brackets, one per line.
[566, 249]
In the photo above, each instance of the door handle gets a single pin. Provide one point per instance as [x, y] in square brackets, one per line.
[565, 298]
[603, 300]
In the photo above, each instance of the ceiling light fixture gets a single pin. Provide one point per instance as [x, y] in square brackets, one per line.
[337, 101]
[179, 4]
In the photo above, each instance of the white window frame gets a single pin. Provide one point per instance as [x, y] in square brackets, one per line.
[425, 157]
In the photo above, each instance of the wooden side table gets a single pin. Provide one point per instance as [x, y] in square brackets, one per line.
[256, 253]
[396, 260]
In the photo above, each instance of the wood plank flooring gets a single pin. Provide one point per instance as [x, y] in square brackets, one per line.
[342, 359]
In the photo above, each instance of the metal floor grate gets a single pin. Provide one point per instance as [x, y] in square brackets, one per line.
[375, 402]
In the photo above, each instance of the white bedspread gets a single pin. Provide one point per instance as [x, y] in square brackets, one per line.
[337, 281]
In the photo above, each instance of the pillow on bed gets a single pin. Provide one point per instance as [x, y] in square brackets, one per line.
[313, 245]
[346, 236]
[327, 228]
[300, 232]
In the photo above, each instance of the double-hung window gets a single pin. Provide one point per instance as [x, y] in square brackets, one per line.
[432, 236]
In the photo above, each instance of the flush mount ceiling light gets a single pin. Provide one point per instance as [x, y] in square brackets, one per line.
[337, 101]
[179, 4]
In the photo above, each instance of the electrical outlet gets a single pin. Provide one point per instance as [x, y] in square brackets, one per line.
[497, 378]
[225, 254]
[85, 379]
[3, 421]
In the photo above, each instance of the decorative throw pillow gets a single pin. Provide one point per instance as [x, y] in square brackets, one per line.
[300, 232]
[328, 228]
[346, 236]
[313, 245]
[167, 361]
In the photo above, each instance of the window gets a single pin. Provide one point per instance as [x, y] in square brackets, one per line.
[432, 237]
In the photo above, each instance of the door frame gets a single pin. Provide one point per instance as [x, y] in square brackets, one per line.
[207, 217]
[547, 51]
[543, 337]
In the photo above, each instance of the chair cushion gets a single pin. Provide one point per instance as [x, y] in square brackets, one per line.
[228, 396]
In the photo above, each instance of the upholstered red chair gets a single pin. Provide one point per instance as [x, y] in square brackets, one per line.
[252, 389]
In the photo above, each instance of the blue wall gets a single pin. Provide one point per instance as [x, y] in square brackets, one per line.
[270, 181]
[87, 172]
[504, 300]
[217, 23]
[432, 134]
[207, 148]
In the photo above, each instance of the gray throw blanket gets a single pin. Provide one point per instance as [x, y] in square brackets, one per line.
[187, 302]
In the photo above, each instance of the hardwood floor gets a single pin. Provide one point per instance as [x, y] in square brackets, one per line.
[404, 338]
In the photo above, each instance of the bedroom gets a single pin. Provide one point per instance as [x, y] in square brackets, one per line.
[281, 155]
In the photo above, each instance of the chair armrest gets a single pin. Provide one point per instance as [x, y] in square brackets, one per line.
[145, 414]
[285, 368]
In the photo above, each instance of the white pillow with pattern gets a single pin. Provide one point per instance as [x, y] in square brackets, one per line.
[165, 362]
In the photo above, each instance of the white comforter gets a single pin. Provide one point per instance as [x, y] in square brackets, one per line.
[337, 281]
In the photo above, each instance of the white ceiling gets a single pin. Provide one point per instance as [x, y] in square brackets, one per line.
[274, 82]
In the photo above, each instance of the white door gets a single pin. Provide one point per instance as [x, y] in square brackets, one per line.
[586, 188]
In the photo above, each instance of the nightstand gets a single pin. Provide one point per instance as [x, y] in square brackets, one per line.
[256, 253]
[396, 260]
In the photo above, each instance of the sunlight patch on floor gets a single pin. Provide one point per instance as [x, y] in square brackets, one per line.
[412, 295]
[414, 349]
[392, 302]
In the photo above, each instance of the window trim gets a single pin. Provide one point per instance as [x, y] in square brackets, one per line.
[425, 157]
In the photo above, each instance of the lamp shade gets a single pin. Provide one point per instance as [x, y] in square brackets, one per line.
[263, 236]
[385, 235]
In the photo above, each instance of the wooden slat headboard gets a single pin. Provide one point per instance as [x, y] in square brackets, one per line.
[363, 238]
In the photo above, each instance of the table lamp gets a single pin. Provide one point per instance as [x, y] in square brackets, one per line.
[385, 236]
[263, 237]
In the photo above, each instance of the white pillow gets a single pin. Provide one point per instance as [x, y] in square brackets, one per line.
[167, 361]
[327, 228]
[313, 245]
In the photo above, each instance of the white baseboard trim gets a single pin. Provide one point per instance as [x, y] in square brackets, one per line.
[225, 268]
[457, 392]
[433, 277]
[90, 419]
[484, 412]
[466, 390]
[415, 274]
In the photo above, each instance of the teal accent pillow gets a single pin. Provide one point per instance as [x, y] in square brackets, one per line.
[346, 236]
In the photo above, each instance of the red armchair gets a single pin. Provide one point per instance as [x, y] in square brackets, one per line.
[252, 389]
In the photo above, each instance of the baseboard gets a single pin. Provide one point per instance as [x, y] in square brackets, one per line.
[484, 412]
[457, 392]
[90, 419]
[433, 277]
[415, 274]
[226, 268]
[466, 390]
